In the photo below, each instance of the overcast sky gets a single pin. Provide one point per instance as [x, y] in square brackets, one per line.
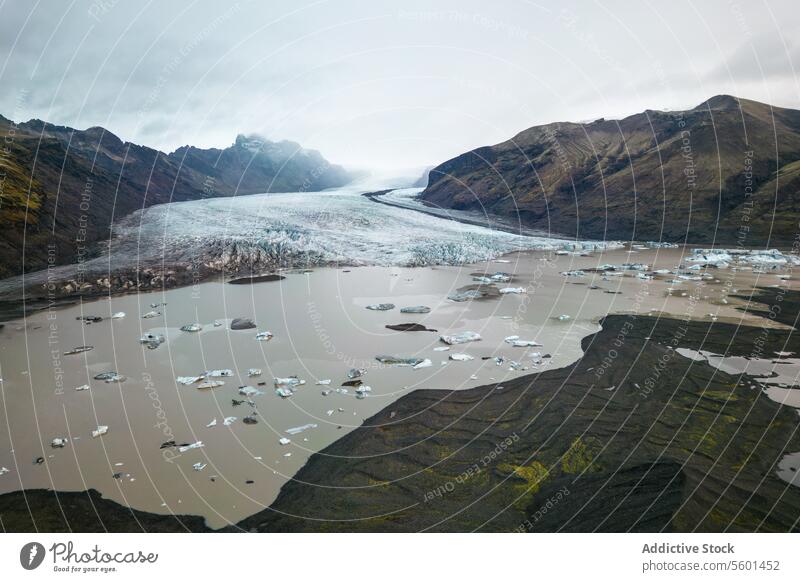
[371, 84]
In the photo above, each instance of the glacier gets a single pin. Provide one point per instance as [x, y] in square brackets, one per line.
[338, 226]
[264, 232]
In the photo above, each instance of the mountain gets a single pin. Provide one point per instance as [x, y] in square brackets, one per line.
[254, 165]
[61, 188]
[727, 171]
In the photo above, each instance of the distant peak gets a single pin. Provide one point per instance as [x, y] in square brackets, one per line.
[251, 142]
[720, 102]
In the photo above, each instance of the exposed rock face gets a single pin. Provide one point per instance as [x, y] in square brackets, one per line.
[726, 171]
[66, 187]
[253, 165]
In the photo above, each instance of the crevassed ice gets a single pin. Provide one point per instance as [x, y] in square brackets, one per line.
[336, 226]
[295, 229]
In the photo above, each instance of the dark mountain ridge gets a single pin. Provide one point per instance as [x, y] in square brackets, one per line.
[726, 171]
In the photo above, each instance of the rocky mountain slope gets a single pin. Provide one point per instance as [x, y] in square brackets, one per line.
[61, 189]
[726, 171]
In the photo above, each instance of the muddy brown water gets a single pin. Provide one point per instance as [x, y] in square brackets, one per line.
[321, 329]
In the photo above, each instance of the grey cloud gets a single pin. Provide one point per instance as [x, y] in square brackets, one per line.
[379, 83]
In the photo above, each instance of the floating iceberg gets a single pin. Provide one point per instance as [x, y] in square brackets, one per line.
[416, 309]
[197, 445]
[399, 361]
[298, 429]
[210, 384]
[461, 338]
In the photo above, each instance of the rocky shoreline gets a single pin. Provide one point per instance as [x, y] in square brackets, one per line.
[71, 290]
[611, 443]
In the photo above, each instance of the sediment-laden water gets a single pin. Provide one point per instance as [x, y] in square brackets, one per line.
[321, 328]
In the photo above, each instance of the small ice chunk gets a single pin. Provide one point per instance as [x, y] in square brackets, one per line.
[210, 384]
[187, 380]
[398, 360]
[461, 338]
[78, 350]
[416, 309]
[426, 363]
[249, 391]
[289, 382]
[298, 429]
[519, 343]
[185, 448]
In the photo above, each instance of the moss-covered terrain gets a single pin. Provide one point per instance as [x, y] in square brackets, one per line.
[632, 437]
[43, 511]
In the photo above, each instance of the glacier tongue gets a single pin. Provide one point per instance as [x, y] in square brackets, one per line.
[307, 228]
[169, 244]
